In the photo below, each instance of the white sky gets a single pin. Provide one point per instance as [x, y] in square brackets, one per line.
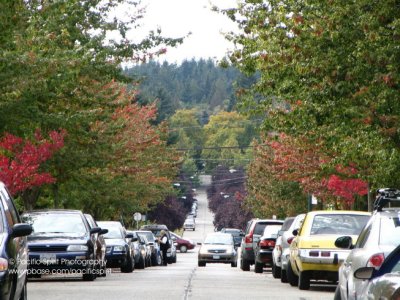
[177, 18]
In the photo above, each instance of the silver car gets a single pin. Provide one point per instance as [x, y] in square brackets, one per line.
[378, 238]
[283, 249]
[383, 283]
[218, 248]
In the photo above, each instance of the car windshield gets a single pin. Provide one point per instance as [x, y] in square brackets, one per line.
[45, 223]
[343, 224]
[148, 235]
[390, 231]
[219, 239]
[114, 231]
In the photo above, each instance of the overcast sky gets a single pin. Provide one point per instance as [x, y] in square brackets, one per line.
[177, 18]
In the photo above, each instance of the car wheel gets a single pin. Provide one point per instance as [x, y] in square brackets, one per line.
[293, 279]
[159, 259]
[258, 268]
[276, 271]
[201, 263]
[234, 264]
[141, 264]
[283, 276]
[174, 259]
[128, 266]
[90, 275]
[304, 280]
[244, 264]
[24, 294]
[337, 295]
[183, 249]
[154, 260]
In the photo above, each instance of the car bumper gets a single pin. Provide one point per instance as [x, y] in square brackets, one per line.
[217, 258]
[264, 256]
[60, 261]
[327, 260]
[115, 260]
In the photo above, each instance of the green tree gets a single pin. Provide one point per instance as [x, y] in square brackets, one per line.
[328, 70]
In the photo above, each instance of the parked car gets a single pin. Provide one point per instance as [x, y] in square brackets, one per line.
[13, 248]
[313, 254]
[182, 244]
[254, 230]
[264, 248]
[155, 255]
[189, 224]
[62, 241]
[140, 254]
[378, 238]
[382, 283]
[119, 252]
[236, 233]
[156, 229]
[217, 248]
[100, 250]
[281, 257]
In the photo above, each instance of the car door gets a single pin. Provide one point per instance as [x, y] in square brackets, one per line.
[17, 247]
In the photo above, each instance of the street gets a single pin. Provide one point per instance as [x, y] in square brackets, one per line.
[183, 280]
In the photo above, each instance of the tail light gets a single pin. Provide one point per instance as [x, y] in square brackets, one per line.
[248, 239]
[267, 243]
[376, 260]
[290, 240]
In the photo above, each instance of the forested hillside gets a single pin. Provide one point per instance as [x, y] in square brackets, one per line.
[196, 83]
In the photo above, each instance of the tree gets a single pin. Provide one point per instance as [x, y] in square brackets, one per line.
[327, 76]
[21, 162]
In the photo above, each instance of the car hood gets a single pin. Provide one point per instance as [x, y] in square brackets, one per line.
[320, 241]
[56, 239]
[115, 242]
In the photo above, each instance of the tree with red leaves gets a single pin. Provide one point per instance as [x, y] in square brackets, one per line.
[21, 161]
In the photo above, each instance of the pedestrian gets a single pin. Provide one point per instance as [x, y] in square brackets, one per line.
[164, 245]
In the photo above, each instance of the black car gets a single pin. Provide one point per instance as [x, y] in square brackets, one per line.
[119, 251]
[61, 243]
[100, 251]
[13, 249]
[237, 234]
[155, 247]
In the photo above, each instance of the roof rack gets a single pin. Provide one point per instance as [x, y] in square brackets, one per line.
[386, 196]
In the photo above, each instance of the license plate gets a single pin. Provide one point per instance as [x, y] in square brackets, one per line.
[216, 257]
[48, 258]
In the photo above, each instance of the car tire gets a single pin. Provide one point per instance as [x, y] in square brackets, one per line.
[128, 266]
[201, 263]
[183, 249]
[258, 268]
[283, 276]
[276, 271]
[293, 279]
[304, 280]
[244, 264]
[234, 264]
[174, 259]
[337, 295]
[89, 276]
[141, 263]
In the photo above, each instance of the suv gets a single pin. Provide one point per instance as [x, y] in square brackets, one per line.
[156, 229]
[254, 230]
[378, 238]
[13, 248]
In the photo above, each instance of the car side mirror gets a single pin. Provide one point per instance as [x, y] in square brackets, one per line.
[295, 232]
[21, 229]
[344, 242]
[103, 231]
[95, 230]
[364, 273]
[129, 236]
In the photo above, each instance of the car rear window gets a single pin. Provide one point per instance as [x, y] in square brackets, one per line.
[390, 231]
[260, 227]
[346, 224]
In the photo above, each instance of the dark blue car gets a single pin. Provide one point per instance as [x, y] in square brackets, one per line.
[13, 249]
[62, 243]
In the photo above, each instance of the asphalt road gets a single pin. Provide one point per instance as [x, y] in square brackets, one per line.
[183, 280]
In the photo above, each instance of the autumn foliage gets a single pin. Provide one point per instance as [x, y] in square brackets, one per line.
[21, 160]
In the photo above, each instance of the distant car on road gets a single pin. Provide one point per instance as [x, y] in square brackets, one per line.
[183, 245]
[189, 224]
[217, 248]
[13, 247]
[236, 233]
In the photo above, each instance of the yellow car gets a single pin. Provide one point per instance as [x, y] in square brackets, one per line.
[313, 254]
